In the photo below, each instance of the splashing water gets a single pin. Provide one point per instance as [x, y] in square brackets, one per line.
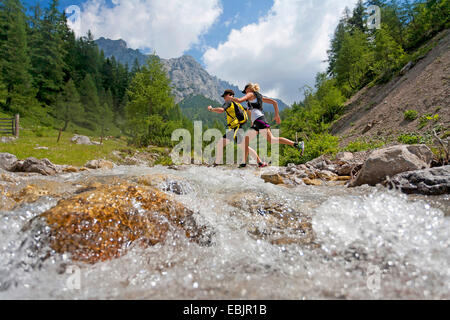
[368, 243]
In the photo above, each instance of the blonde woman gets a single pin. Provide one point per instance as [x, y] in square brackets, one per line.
[259, 124]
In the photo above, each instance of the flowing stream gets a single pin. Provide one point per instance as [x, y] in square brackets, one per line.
[369, 243]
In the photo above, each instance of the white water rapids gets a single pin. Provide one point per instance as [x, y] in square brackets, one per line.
[372, 244]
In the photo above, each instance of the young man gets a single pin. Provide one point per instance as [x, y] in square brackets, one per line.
[235, 132]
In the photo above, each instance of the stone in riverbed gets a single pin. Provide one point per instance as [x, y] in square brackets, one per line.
[44, 166]
[100, 224]
[99, 164]
[268, 219]
[166, 182]
[390, 161]
[273, 178]
[7, 160]
[313, 182]
[434, 181]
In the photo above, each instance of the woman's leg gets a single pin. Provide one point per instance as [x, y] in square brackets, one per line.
[249, 137]
[274, 140]
[219, 150]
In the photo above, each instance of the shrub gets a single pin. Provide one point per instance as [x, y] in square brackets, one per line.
[363, 145]
[316, 146]
[427, 118]
[411, 115]
[410, 139]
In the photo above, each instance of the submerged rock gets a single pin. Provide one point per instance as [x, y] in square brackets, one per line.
[101, 224]
[435, 181]
[166, 182]
[390, 161]
[273, 221]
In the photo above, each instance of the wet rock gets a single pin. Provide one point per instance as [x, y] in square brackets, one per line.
[44, 166]
[6, 203]
[313, 182]
[273, 178]
[327, 175]
[69, 169]
[37, 189]
[101, 224]
[99, 164]
[271, 220]
[391, 161]
[167, 183]
[435, 181]
[7, 160]
[6, 177]
[77, 139]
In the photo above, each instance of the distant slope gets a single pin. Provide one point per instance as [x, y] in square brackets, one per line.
[379, 111]
[195, 109]
[188, 76]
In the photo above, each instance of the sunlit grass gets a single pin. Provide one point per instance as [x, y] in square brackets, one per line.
[64, 152]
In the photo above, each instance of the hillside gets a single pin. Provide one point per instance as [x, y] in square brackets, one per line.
[379, 111]
[195, 109]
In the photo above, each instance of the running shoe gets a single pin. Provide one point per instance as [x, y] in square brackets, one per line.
[262, 165]
[301, 147]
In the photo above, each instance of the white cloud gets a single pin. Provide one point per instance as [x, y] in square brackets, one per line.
[168, 26]
[283, 51]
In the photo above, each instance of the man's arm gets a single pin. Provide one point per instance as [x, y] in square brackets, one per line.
[216, 110]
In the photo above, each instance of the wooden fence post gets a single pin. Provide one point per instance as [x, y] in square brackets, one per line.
[16, 125]
[59, 135]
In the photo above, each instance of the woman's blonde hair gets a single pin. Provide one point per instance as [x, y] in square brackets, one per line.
[254, 87]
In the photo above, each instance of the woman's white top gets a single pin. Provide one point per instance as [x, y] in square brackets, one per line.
[256, 113]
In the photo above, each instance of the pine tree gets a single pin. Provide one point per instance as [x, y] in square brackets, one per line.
[136, 67]
[68, 107]
[357, 21]
[106, 118]
[388, 54]
[15, 62]
[48, 53]
[90, 102]
[336, 44]
[150, 96]
[353, 60]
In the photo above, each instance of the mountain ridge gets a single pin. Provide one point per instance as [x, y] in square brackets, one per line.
[188, 76]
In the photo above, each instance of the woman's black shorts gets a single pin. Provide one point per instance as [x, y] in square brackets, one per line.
[260, 124]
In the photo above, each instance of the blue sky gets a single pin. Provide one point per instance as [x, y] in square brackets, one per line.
[280, 44]
[235, 14]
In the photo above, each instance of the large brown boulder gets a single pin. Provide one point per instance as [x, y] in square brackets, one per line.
[100, 224]
[390, 161]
